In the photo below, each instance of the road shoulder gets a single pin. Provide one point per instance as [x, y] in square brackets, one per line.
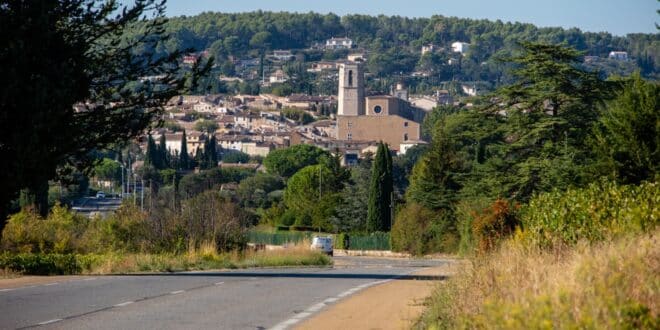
[25, 281]
[393, 305]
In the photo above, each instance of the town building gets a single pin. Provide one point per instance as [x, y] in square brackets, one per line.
[283, 55]
[618, 55]
[460, 47]
[386, 118]
[339, 43]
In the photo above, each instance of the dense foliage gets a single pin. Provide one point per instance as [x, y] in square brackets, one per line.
[57, 54]
[380, 207]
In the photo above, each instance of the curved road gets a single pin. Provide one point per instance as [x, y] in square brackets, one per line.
[241, 299]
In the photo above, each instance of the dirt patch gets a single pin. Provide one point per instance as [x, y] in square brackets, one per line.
[394, 305]
[11, 283]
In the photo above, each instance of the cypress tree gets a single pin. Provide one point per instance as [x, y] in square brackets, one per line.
[162, 152]
[184, 158]
[151, 155]
[380, 191]
[212, 152]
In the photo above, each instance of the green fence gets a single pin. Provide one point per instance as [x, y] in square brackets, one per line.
[374, 241]
[279, 238]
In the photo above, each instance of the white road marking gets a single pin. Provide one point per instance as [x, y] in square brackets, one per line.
[126, 303]
[177, 292]
[49, 284]
[89, 279]
[49, 321]
[4, 290]
[219, 283]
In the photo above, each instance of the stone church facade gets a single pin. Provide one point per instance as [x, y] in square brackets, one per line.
[375, 118]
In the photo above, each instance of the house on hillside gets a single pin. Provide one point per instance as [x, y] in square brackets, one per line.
[339, 43]
[460, 47]
[283, 55]
[618, 55]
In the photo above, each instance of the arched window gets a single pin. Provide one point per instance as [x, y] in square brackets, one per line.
[378, 109]
[350, 78]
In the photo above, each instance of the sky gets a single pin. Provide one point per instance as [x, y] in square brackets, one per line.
[618, 17]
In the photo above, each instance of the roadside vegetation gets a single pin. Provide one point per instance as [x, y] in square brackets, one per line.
[550, 189]
[129, 241]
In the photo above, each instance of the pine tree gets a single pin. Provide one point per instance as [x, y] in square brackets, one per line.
[184, 157]
[379, 217]
[433, 183]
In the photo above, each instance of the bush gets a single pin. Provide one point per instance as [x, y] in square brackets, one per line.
[466, 211]
[419, 230]
[60, 232]
[493, 224]
[40, 264]
[601, 211]
[342, 241]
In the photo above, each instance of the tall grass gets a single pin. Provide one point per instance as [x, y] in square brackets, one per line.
[609, 285]
[203, 258]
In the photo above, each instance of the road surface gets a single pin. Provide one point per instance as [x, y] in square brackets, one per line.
[91, 206]
[239, 299]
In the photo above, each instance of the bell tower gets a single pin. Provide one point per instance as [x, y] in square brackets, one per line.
[351, 90]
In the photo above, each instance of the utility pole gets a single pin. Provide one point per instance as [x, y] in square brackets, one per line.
[142, 194]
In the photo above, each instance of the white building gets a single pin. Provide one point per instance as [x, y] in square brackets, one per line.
[283, 55]
[430, 48]
[278, 77]
[339, 43]
[469, 90]
[618, 55]
[460, 47]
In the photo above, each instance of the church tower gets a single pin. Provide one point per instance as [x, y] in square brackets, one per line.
[351, 90]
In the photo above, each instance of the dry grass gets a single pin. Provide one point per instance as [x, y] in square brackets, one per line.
[6, 273]
[206, 257]
[612, 285]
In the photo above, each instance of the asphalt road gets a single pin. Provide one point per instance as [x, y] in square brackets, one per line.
[241, 299]
[89, 206]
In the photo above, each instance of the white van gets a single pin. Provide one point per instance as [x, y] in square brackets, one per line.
[323, 244]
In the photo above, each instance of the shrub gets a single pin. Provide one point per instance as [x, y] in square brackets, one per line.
[493, 224]
[60, 232]
[419, 230]
[602, 210]
[40, 264]
[466, 211]
[342, 241]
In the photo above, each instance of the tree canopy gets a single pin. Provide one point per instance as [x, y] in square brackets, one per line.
[286, 162]
[73, 76]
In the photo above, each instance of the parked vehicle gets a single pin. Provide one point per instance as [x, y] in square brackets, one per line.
[323, 244]
[100, 195]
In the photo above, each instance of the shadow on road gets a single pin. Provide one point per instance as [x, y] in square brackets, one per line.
[303, 275]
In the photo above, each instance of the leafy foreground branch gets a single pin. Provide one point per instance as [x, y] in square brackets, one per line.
[118, 263]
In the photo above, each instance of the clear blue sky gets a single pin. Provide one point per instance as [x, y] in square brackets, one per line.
[615, 16]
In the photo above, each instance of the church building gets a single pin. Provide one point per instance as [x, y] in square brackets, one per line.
[388, 118]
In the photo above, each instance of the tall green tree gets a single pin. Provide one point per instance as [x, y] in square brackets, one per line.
[546, 116]
[163, 153]
[90, 54]
[184, 156]
[379, 213]
[626, 138]
[152, 157]
[433, 183]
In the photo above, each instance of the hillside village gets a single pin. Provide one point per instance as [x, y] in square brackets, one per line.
[257, 124]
